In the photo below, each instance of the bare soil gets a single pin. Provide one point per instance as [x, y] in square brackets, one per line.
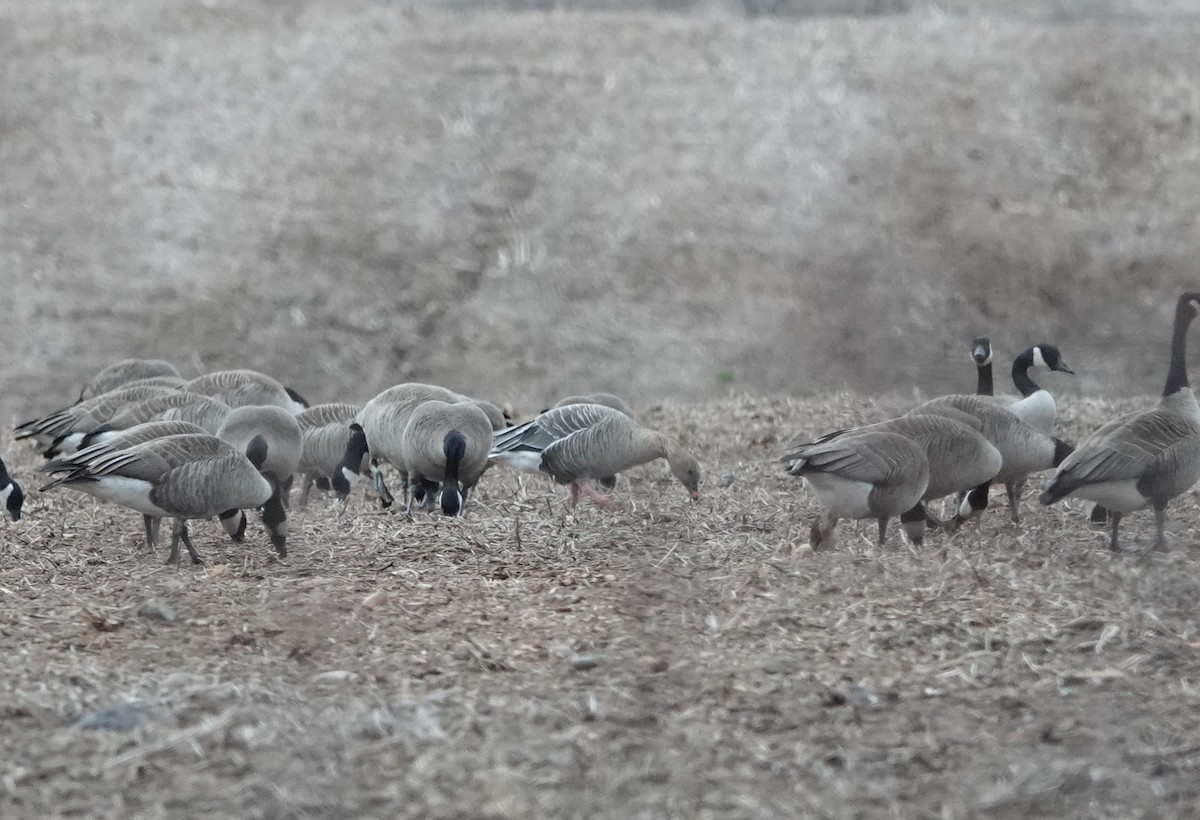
[660, 659]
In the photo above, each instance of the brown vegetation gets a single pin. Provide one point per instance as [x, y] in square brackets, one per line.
[660, 659]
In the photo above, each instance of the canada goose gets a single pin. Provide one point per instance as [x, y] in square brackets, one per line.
[120, 374]
[1035, 406]
[582, 442]
[960, 459]
[10, 493]
[325, 433]
[606, 399]
[281, 431]
[64, 430]
[184, 477]
[183, 405]
[112, 441]
[380, 425]
[1024, 448]
[866, 474]
[496, 417]
[1146, 458]
[445, 446]
[247, 388]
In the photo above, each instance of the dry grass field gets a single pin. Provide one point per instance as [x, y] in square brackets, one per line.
[697, 210]
[660, 659]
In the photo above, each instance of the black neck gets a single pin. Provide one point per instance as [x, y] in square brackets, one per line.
[356, 448]
[984, 386]
[1177, 377]
[1020, 374]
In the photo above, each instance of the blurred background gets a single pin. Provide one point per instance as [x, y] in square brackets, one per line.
[524, 198]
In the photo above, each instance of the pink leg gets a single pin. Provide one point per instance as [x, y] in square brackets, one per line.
[574, 494]
[601, 501]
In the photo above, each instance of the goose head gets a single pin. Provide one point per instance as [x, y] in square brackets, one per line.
[1047, 357]
[13, 498]
[685, 468]
[981, 350]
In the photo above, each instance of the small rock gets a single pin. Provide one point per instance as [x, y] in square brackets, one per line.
[659, 666]
[375, 600]
[120, 718]
[156, 609]
[585, 661]
[336, 676]
[725, 479]
[220, 571]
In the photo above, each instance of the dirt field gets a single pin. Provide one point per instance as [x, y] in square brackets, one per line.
[687, 209]
[660, 659]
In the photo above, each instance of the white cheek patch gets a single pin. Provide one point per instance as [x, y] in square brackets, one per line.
[350, 476]
[1038, 359]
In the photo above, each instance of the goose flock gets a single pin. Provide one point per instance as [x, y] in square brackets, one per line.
[143, 437]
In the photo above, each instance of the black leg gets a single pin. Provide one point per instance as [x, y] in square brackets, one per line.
[882, 530]
[1013, 490]
[1160, 526]
[1114, 543]
[187, 542]
[151, 524]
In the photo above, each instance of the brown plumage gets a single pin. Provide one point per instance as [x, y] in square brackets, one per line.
[247, 388]
[120, 374]
[578, 443]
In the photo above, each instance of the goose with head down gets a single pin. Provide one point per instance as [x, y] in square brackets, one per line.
[579, 443]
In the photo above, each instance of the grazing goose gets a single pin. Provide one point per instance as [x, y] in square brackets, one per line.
[64, 430]
[247, 388]
[582, 442]
[281, 432]
[184, 477]
[380, 425]
[1141, 459]
[183, 405]
[1024, 448]
[606, 399]
[10, 493]
[497, 418]
[960, 459]
[120, 374]
[325, 434]
[113, 441]
[864, 474]
[445, 446]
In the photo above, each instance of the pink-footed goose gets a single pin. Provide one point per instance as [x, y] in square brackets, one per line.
[122, 373]
[247, 388]
[63, 431]
[579, 443]
[183, 405]
[1141, 459]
